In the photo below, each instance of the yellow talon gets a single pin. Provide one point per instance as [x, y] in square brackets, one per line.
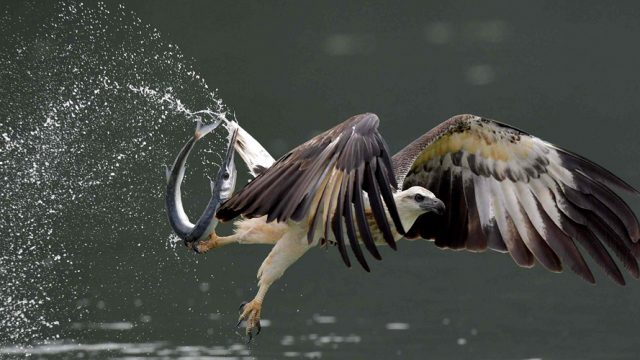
[203, 246]
[250, 313]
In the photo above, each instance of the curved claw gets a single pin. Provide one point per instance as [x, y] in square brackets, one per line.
[258, 327]
[192, 246]
[250, 312]
[242, 305]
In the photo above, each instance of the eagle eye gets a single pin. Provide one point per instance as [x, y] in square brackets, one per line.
[418, 198]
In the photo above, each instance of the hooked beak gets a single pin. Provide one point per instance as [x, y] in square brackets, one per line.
[433, 205]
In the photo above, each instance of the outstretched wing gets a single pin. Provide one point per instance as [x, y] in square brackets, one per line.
[509, 191]
[321, 181]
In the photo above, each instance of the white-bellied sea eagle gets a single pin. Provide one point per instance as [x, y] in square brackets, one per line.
[469, 183]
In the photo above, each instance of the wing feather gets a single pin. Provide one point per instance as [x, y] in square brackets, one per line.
[330, 205]
[486, 205]
[459, 211]
[376, 206]
[599, 228]
[361, 217]
[382, 175]
[520, 204]
[336, 223]
[475, 241]
[351, 231]
[519, 252]
[321, 183]
[509, 191]
[316, 205]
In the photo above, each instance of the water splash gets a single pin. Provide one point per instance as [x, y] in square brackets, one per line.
[92, 103]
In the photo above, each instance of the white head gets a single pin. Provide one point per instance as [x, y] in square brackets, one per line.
[414, 202]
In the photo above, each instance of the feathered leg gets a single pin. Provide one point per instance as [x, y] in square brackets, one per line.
[247, 231]
[286, 251]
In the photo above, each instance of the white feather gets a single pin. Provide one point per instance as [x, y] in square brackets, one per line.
[527, 201]
[253, 154]
[513, 208]
[483, 200]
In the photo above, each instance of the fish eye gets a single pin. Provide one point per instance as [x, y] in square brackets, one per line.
[418, 198]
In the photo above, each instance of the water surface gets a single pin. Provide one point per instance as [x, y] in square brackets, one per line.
[96, 98]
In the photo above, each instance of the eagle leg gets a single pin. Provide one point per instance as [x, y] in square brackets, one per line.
[286, 251]
[247, 231]
[213, 241]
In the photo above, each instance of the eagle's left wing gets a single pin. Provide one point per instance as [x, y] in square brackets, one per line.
[509, 191]
[322, 182]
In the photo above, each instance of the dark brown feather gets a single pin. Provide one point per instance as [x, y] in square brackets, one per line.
[476, 241]
[594, 247]
[613, 202]
[538, 245]
[351, 231]
[485, 158]
[511, 237]
[592, 222]
[298, 187]
[336, 225]
[361, 217]
[565, 248]
[383, 174]
[594, 171]
[376, 206]
[593, 204]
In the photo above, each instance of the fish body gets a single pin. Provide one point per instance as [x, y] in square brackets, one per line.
[221, 187]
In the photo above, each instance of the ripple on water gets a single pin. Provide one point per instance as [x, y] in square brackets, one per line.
[132, 351]
[324, 319]
[318, 340]
[118, 326]
[397, 326]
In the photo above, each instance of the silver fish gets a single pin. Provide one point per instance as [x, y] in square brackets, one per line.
[221, 187]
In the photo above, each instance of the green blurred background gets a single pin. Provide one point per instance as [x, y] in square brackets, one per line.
[564, 71]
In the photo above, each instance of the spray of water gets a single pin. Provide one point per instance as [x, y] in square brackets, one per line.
[92, 104]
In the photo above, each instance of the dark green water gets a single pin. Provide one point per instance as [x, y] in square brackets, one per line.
[88, 267]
